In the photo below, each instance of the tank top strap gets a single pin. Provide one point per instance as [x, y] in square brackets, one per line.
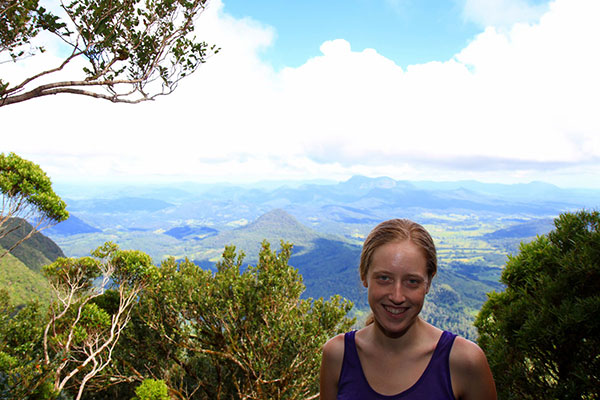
[351, 368]
[438, 370]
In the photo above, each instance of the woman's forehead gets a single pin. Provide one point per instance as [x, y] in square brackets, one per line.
[405, 255]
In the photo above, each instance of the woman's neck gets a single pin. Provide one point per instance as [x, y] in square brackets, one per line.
[397, 341]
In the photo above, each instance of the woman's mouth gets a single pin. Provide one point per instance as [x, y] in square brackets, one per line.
[395, 310]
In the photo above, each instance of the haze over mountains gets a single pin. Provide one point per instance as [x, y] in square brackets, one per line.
[197, 221]
[358, 200]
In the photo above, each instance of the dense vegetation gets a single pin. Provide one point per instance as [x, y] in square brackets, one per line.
[234, 333]
[541, 333]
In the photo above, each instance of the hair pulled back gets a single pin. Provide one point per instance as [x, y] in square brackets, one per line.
[398, 230]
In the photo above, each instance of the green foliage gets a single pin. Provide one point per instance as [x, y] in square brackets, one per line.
[20, 21]
[85, 326]
[146, 45]
[68, 273]
[236, 333]
[23, 183]
[133, 267]
[541, 333]
[152, 389]
[22, 372]
[27, 195]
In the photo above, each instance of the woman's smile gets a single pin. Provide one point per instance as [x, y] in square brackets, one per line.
[397, 283]
[396, 312]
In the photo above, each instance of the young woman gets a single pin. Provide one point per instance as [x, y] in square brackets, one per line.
[397, 355]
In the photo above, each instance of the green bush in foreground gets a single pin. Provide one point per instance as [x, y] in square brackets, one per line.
[541, 334]
[122, 328]
[235, 333]
[152, 389]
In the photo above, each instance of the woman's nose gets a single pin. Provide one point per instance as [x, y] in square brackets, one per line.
[397, 294]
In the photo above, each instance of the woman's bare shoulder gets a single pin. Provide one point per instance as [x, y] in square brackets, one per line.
[466, 354]
[471, 375]
[333, 349]
[331, 367]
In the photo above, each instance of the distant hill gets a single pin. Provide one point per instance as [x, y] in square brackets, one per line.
[36, 251]
[72, 226]
[191, 232]
[274, 226]
[318, 257]
[20, 271]
[525, 229]
[118, 205]
[279, 224]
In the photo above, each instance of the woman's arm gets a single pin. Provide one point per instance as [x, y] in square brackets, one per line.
[471, 375]
[331, 366]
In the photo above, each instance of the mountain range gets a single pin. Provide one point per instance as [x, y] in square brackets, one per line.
[475, 226]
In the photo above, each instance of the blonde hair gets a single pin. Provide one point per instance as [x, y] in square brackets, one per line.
[397, 230]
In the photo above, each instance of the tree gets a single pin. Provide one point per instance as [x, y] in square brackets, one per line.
[235, 333]
[135, 50]
[60, 351]
[22, 373]
[81, 334]
[27, 195]
[541, 334]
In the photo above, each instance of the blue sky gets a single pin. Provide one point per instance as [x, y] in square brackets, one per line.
[407, 32]
[495, 90]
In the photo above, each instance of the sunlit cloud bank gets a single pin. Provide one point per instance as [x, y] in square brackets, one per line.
[519, 103]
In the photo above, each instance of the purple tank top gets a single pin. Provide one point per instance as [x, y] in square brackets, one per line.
[434, 384]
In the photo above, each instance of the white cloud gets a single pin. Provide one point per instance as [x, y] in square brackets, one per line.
[515, 104]
[507, 96]
[502, 13]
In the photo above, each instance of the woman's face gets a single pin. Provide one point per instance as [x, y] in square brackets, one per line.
[397, 283]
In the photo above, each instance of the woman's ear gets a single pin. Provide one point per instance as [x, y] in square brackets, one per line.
[365, 283]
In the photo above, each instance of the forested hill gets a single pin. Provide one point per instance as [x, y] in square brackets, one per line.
[36, 251]
[328, 263]
[273, 226]
[20, 271]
